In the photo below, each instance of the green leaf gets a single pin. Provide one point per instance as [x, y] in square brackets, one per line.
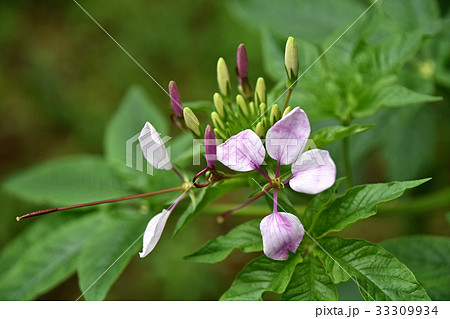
[122, 137]
[358, 203]
[310, 282]
[318, 204]
[380, 275]
[428, 257]
[246, 237]
[69, 180]
[295, 18]
[205, 197]
[47, 261]
[260, 275]
[331, 134]
[391, 96]
[112, 245]
[411, 14]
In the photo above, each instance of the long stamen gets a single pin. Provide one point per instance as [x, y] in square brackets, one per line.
[51, 210]
[259, 169]
[179, 175]
[222, 217]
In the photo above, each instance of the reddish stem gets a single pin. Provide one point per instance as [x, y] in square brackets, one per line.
[51, 210]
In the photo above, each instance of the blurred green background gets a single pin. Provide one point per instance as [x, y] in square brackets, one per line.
[61, 79]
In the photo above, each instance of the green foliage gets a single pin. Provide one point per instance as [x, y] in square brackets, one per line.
[358, 203]
[428, 258]
[111, 246]
[205, 197]
[246, 237]
[379, 275]
[310, 282]
[67, 181]
[47, 260]
[331, 134]
[259, 276]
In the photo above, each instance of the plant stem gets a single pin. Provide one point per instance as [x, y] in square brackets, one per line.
[51, 210]
[288, 96]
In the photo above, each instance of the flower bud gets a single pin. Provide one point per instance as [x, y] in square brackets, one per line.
[210, 147]
[259, 130]
[262, 108]
[223, 78]
[191, 121]
[219, 133]
[252, 108]
[219, 104]
[286, 111]
[291, 61]
[274, 114]
[242, 63]
[217, 121]
[242, 105]
[260, 91]
[175, 99]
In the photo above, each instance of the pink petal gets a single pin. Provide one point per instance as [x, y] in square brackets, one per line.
[314, 171]
[242, 152]
[153, 232]
[153, 148]
[281, 232]
[287, 138]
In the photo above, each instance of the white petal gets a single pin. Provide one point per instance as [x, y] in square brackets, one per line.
[281, 232]
[153, 148]
[314, 171]
[153, 232]
[242, 152]
[287, 138]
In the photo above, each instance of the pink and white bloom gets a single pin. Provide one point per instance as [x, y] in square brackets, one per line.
[312, 172]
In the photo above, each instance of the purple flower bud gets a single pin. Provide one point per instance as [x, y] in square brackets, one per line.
[242, 62]
[210, 147]
[175, 99]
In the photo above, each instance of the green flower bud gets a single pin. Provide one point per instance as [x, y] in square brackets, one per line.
[219, 104]
[265, 123]
[262, 108]
[286, 111]
[259, 130]
[260, 91]
[291, 61]
[191, 121]
[219, 133]
[223, 78]
[274, 114]
[217, 121]
[242, 105]
[252, 108]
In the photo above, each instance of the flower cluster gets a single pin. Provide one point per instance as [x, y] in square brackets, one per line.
[243, 124]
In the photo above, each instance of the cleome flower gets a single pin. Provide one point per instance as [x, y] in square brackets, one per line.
[312, 172]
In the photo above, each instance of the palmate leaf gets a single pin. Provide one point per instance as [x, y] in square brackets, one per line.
[114, 242]
[358, 203]
[391, 96]
[246, 237]
[310, 282]
[318, 204]
[205, 197]
[67, 181]
[428, 257]
[331, 134]
[122, 148]
[380, 275]
[47, 261]
[261, 275]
